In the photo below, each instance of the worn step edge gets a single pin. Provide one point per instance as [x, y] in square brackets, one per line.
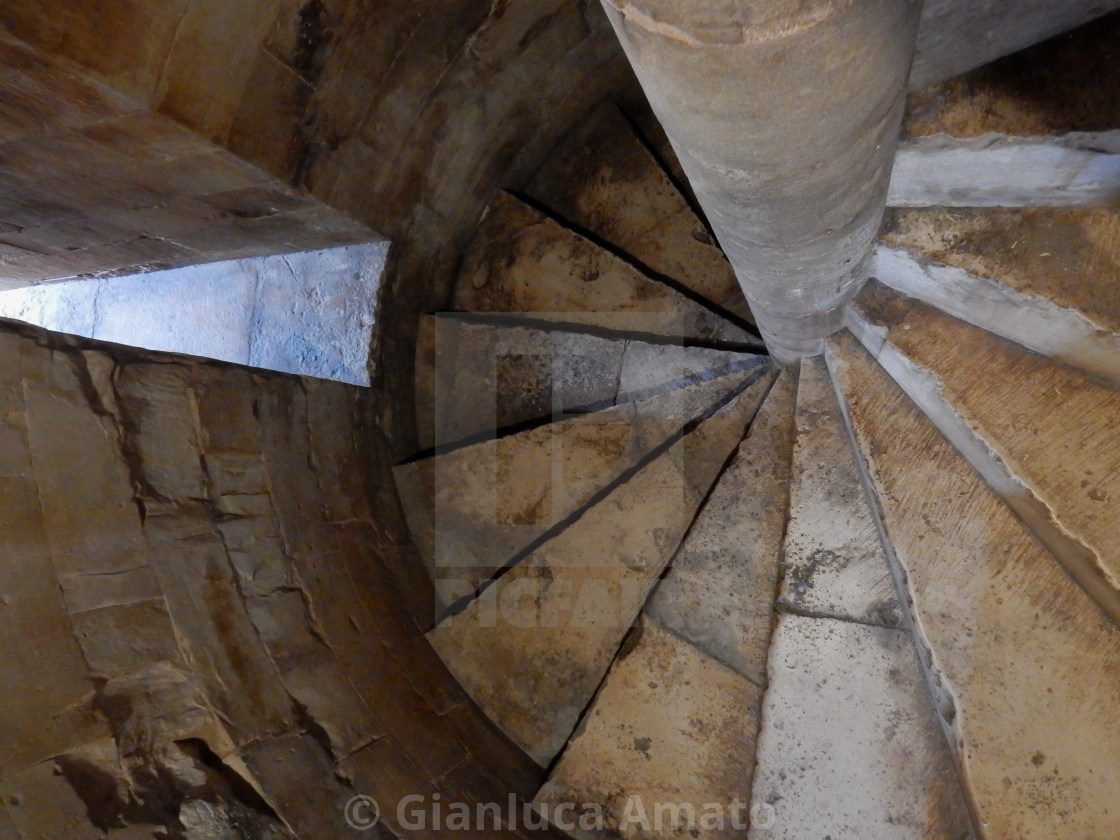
[996, 170]
[1033, 321]
[924, 388]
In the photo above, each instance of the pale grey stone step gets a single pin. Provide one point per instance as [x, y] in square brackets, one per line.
[604, 179]
[473, 378]
[1042, 435]
[534, 647]
[833, 558]
[850, 742]
[521, 261]
[1000, 171]
[1022, 662]
[1046, 278]
[472, 510]
[671, 728]
[719, 593]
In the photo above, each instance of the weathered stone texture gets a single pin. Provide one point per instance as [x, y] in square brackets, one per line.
[719, 592]
[521, 261]
[1011, 642]
[201, 565]
[472, 510]
[532, 649]
[95, 183]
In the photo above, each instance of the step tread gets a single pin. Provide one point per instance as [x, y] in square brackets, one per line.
[834, 563]
[522, 261]
[604, 179]
[475, 378]
[850, 741]
[534, 664]
[670, 725]
[1067, 83]
[1025, 662]
[1070, 257]
[719, 593]
[1049, 429]
[470, 511]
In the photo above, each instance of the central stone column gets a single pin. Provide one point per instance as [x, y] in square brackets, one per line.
[785, 115]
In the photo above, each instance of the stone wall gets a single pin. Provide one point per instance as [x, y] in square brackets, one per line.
[212, 614]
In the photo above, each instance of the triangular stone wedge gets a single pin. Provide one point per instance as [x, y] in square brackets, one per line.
[719, 593]
[533, 648]
[522, 261]
[666, 751]
[475, 379]
[470, 511]
[602, 178]
[850, 742]
[1022, 663]
[1042, 435]
[1047, 278]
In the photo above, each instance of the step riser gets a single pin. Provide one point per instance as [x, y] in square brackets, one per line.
[1030, 320]
[995, 171]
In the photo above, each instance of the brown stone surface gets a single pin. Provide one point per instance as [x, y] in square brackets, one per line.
[1065, 84]
[719, 592]
[604, 179]
[1071, 257]
[237, 620]
[532, 649]
[669, 725]
[1053, 430]
[93, 182]
[472, 510]
[522, 261]
[1013, 643]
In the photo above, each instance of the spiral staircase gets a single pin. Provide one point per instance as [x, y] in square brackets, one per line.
[872, 596]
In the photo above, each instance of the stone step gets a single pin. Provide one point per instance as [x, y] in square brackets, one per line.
[677, 717]
[1046, 278]
[1042, 435]
[1022, 663]
[850, 743]
[522, 261]
[474, 378]
[470, 511]
[535, 645]
[603, 179]
[666, 750]
[1036, 128]
[719, 593]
